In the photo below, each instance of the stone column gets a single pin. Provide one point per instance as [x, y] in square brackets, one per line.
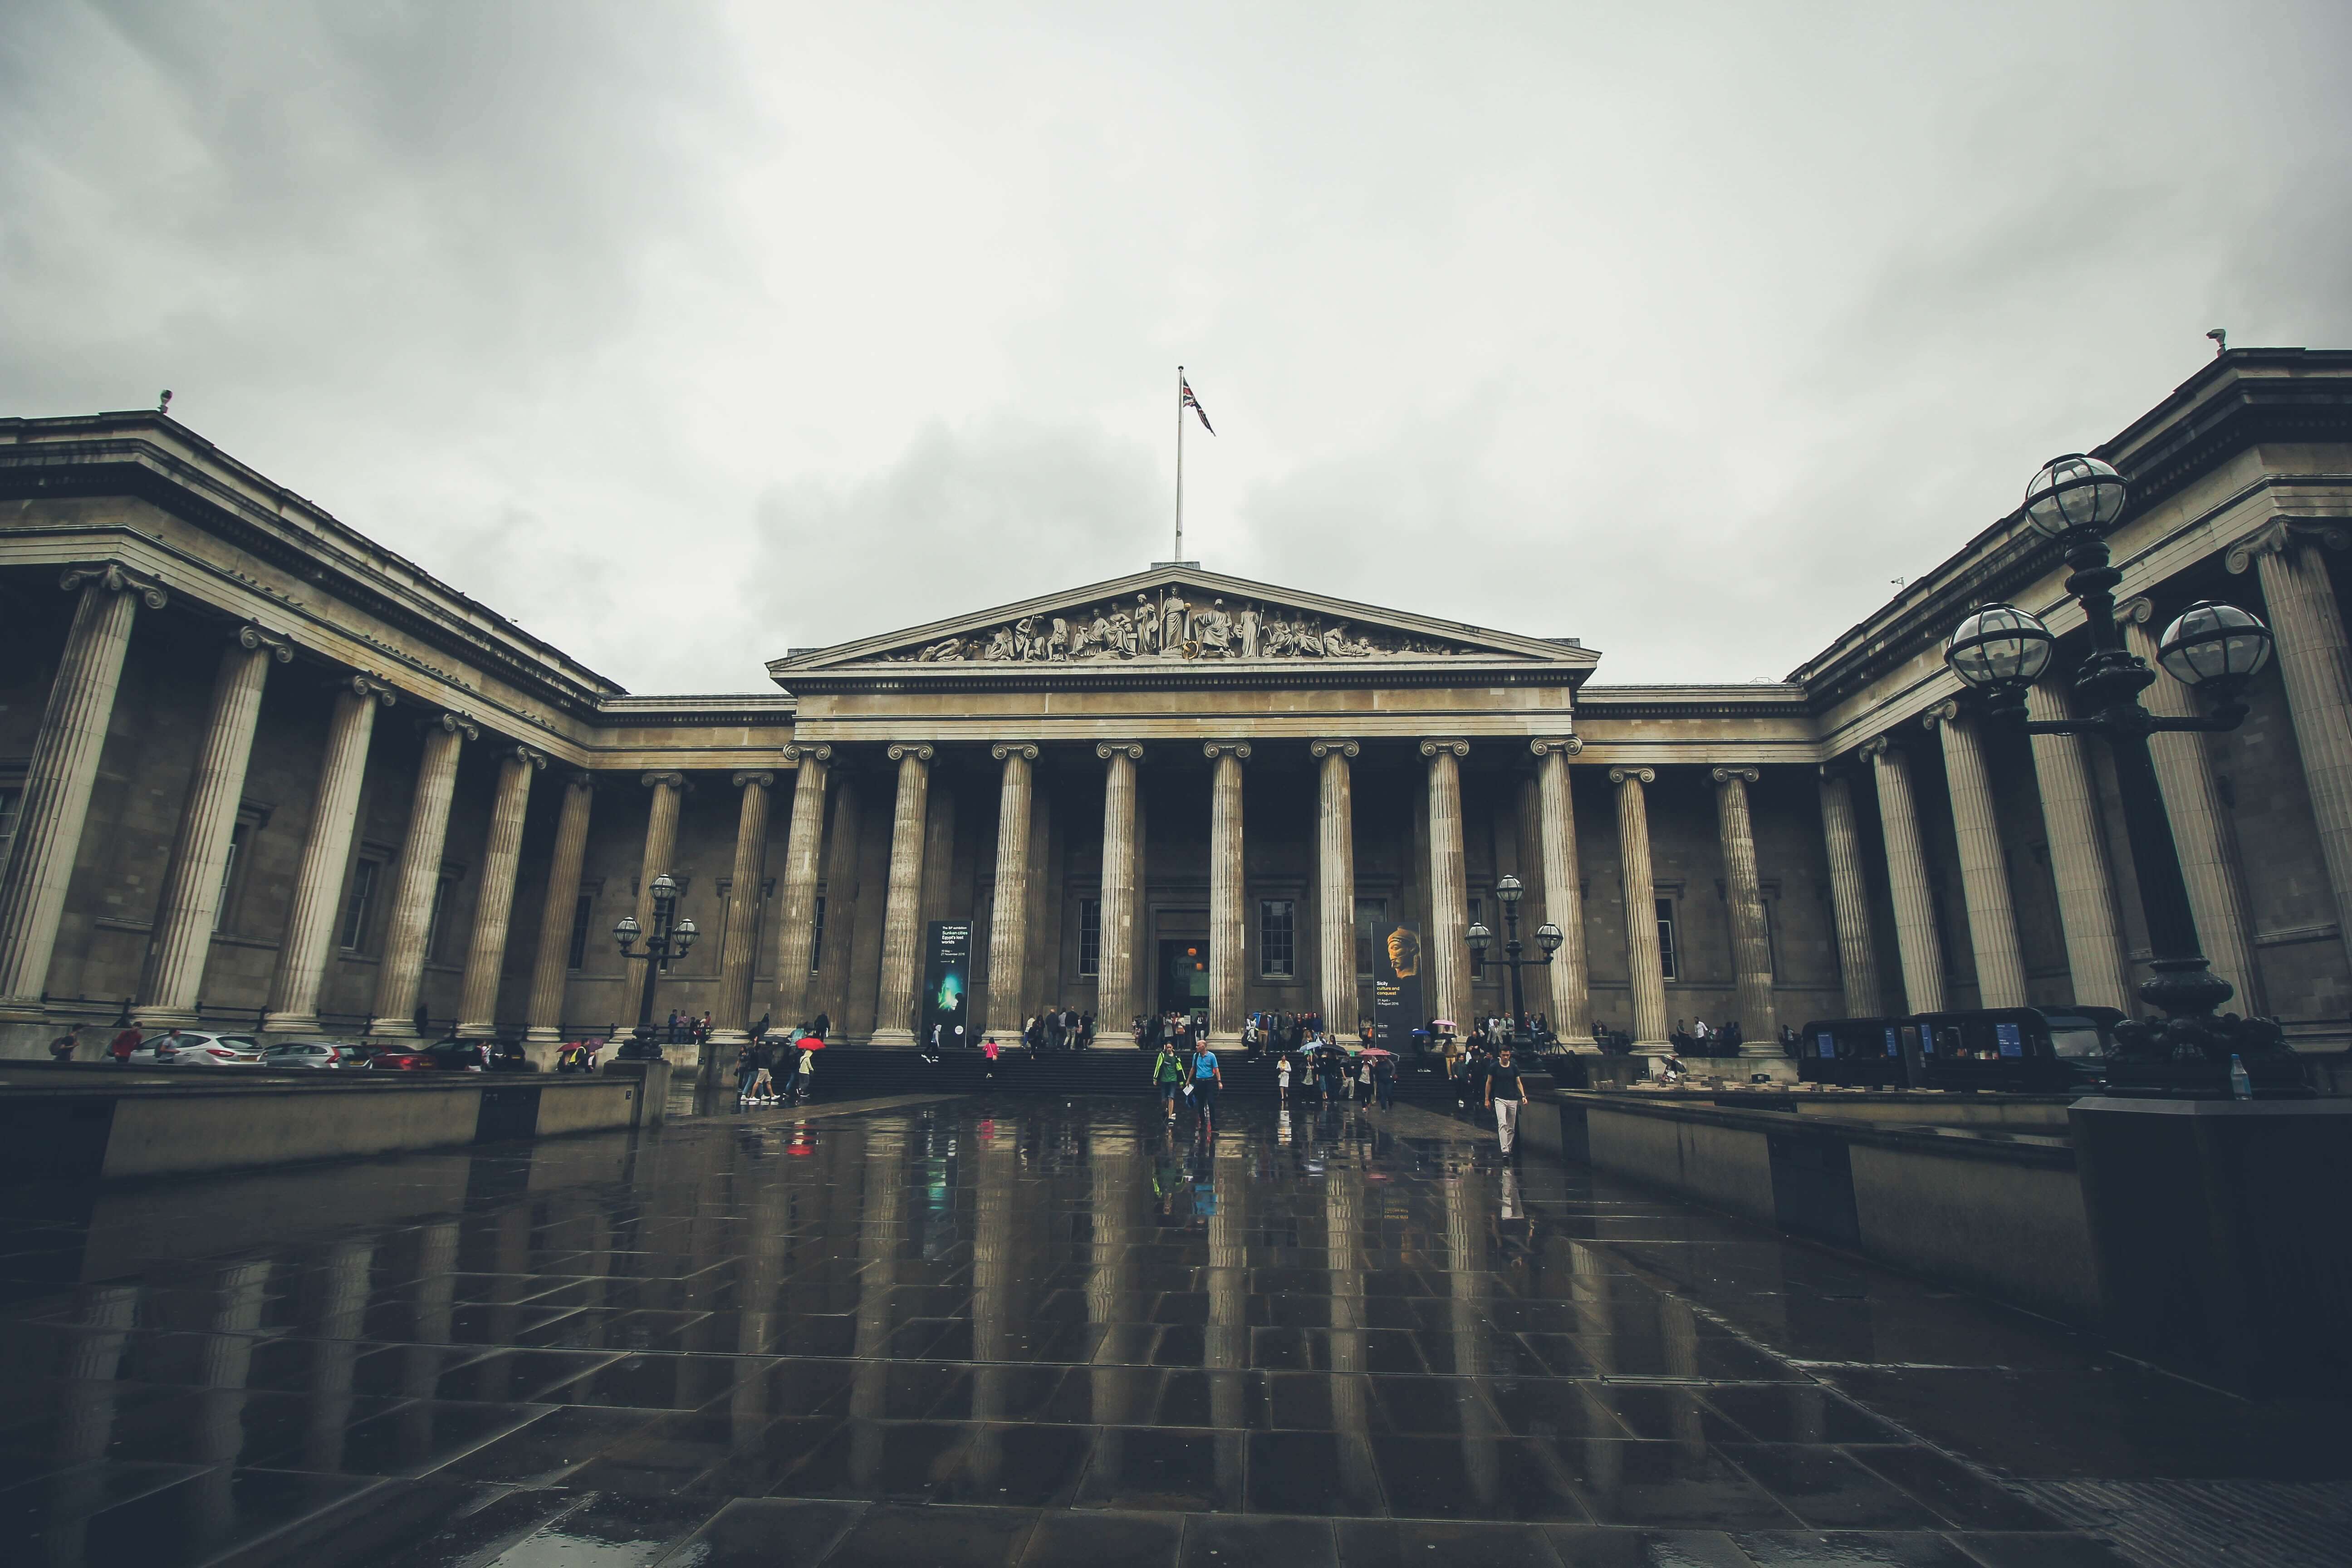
[1335, 881]
[661, 847]
[1121, 881]
[551, 972]
[1849, 895]
[1228, 922]
[403, 970]
[830, 996]
[1563, 894]
[796, 900]
[1447, 960]
[902, 906]
[1644, 965]
[59, 781]
[1008, 929]
[1751, 943]
[730, 1020]
[1984, 866]
[1907, 880]
[2201, 829]
[2078, 857]
[326, 854]
[2315, 668]
[189, 908]
[486, 955]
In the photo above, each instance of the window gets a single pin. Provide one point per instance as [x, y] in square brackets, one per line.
[816, 935]
[228, 875]
[12, 805]
[583, 910]
[1371, 915]
[1089, 939]
[434, 922]
[359, 909]
[1277, 930]
[1666, 953]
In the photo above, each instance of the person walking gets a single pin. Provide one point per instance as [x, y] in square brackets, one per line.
[989, 1050]
[762, 1088]
[1206, 1081]
[1168, 1073]
[1503, 1096]
[124, 1044]
[1384, 1080]
[61, 1050]
[1282, 1078]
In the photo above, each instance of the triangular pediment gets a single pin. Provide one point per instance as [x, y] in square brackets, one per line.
[1172, 618]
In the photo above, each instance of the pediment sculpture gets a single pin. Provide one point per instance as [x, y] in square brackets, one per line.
[1169, 627]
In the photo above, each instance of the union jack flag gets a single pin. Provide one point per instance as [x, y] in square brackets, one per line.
[1188, 401]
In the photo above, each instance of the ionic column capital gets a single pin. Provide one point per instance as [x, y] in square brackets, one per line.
[1459, 747]
[364, 687]
[655, 780]
[747, 776]
[1948, 711]
[536, 761]
[1567, 746]
[1725, 775]
[1238, 750]
[1026, 749]
[117, 578]
[2138, 610]
[1106, 750]
[1633, 776]
[818, 750]
[579, 779]
[2282, 535]
[1319, 750]
[453, 723]
[921, 751]
[256, 639]
[1879, 747]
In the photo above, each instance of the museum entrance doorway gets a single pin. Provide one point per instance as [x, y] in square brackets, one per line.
[1184, 975]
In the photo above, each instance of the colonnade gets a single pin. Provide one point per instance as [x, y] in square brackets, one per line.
[2316, 676]
[1562, 990]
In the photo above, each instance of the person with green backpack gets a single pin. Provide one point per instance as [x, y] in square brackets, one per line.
[1167, 1072]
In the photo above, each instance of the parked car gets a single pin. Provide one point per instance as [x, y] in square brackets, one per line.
[449, 1056]
[310, 1053]
[441, 1056]
[197, 1050]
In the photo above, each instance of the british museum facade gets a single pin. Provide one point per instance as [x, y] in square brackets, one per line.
[257, 770]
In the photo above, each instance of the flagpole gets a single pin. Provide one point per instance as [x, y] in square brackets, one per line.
[1179, 465]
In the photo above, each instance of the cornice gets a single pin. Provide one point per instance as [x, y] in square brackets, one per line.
[126, 455]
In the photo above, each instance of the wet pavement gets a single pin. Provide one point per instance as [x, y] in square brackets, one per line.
[1033, 1331]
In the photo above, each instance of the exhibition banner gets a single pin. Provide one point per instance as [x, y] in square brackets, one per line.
[1396, 985]
[947, 984]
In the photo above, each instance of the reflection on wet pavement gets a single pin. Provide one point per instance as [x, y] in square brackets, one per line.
[1026, 1331]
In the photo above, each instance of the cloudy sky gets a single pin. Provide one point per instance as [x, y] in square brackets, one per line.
[1682, 329]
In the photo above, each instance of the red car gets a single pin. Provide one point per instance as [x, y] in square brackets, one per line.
[442, 1056]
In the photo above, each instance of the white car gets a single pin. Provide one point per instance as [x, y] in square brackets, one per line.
[195, 1049]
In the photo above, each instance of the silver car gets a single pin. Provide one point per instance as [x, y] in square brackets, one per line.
[309, 1054]
[193, 1048]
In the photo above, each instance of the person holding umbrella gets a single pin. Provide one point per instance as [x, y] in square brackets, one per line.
[1383, 1075]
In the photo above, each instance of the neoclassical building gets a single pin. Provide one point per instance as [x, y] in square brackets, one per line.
[256, 770]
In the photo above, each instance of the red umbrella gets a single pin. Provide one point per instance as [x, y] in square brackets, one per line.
[809, 1043]
[1375, 1051]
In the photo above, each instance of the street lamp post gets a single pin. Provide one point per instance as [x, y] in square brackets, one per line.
[1508, 892]
[2001, 650]
[670, 938]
